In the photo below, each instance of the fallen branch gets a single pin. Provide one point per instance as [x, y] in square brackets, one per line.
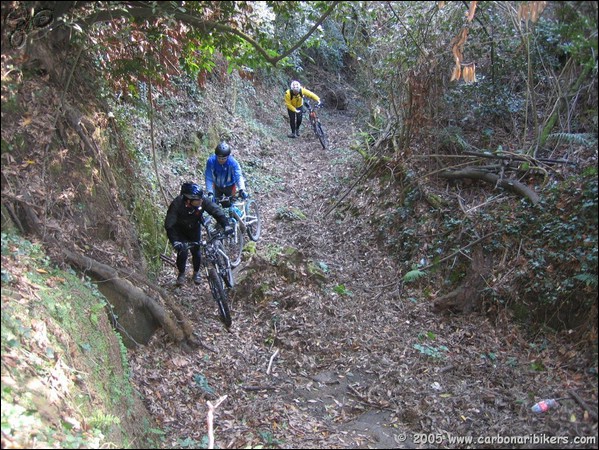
[272, 358]
[505, 183]
[516, 157]
[210, 419]
[258, 388]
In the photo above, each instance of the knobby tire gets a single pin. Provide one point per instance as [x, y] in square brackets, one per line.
[43, 18]
[222, 267]
[319, 132]
[234, 245]
[321, 136]
[219, 294]
[253, 223]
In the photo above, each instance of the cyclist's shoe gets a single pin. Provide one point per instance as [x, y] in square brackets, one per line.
[196, 277]
[180, 279]
[292, 135]
[297, 133]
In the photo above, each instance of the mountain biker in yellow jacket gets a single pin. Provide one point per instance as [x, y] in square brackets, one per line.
[294, 99]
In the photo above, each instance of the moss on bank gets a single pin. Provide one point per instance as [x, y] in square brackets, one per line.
[65, 375]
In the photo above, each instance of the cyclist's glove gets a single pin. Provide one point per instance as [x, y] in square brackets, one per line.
[319, 104]
[180, 246]
[299, 110]
[229, 230]
[243, 194]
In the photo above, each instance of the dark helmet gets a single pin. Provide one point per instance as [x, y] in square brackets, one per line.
[191, 191]
[222, 149]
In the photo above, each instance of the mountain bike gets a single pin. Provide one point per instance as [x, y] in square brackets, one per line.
[316, 125]
[233, 243]
[245, 212]
[246, 215]
[19, 24]
[216, 266]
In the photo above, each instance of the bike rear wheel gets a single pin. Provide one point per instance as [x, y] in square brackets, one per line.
[234, 245]
[219, 294]
[253, 224]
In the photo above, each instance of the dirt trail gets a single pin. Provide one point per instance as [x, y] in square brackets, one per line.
[346, 359]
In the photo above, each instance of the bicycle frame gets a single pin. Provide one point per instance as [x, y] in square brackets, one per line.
[214, 256]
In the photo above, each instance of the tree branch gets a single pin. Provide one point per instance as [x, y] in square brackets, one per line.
[506, 183]
[141, 10]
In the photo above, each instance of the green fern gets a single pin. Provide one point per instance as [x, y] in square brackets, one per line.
[587, 278]
[413, 275]
[586, 139]
[103, 421]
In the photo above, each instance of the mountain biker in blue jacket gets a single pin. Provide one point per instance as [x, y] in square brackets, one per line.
[294, 100]
[223, 174]
[183, 225]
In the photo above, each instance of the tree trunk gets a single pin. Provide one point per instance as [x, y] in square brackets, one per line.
[466, 296]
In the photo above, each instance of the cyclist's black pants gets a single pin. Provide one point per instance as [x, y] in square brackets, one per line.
[196, 256]
[295, 120]
[182, 259]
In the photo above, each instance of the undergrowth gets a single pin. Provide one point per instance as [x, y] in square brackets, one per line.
[65, 375]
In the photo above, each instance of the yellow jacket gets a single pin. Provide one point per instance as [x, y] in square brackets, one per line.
[294, 101]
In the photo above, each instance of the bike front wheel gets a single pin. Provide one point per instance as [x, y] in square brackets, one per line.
[217, 288]
[18, 39]
[322, 137]
[43, 18]
[223, 265]
[234, 245]
[253, 224]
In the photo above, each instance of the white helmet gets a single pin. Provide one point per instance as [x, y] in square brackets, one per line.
[295, 87]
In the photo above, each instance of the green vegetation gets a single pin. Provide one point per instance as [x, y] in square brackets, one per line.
[530, 114]
[61, 383]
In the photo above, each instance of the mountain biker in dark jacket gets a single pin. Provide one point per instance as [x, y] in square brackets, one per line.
[294, 99]
[223, 174]
[183, 225]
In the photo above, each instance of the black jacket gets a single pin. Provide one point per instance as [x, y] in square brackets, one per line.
[183, 223]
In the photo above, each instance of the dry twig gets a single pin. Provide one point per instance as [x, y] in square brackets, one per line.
[210, 419]
[272, 358]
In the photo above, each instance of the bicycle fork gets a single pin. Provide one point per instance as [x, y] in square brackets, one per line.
[223, 267]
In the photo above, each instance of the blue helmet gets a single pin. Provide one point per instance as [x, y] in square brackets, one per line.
[191, 191]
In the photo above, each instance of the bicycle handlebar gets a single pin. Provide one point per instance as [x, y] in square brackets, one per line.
[230, 198]
[216, 236]
[310, 107]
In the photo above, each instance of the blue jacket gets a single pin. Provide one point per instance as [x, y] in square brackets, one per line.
[223, 175]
